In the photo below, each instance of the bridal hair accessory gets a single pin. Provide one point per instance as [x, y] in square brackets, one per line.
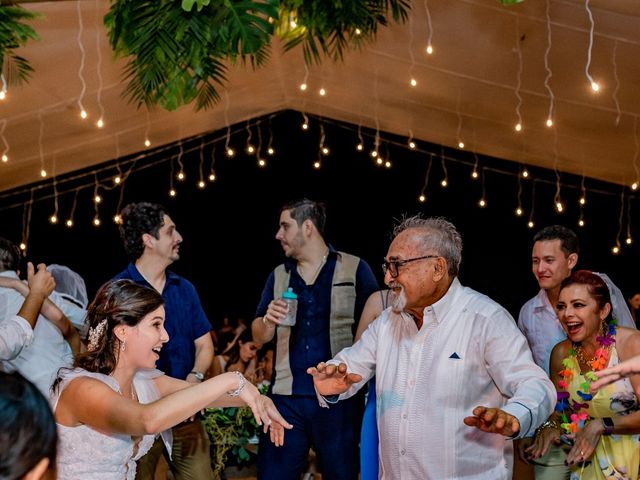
[95, 335]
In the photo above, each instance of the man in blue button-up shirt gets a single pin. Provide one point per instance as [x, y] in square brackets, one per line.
[153, 243]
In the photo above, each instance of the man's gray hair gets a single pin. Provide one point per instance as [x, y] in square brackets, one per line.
[438, 235]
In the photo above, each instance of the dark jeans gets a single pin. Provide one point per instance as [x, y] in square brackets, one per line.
[330, 431]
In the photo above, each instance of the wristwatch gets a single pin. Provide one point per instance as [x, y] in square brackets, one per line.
[608, 425]
[199, 375]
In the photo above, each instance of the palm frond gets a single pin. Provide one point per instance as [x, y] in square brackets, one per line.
[13, 34]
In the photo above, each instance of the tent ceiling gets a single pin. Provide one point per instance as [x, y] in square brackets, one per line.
[466, 90]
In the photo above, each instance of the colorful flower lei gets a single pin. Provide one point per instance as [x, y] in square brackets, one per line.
[575, 415]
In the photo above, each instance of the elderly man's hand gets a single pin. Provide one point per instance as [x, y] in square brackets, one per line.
[493, 420]
[332, 379]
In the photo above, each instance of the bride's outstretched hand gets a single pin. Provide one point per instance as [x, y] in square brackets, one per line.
[250, 395]
[277, 422]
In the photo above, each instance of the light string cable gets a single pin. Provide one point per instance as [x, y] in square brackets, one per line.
[547, 78]
[201, 183]
[483, 200]
[616, 248]
[459, 131]
[70, 220]
[230, 152]
[474, 172]
[172, 190]
[43, 171]
[519, 210]
[303, 85]
[26, 222]
[594, 85]
[54, 216]
[557, 199]
[270, 150]
[322, 150]
[615, 76]
[582, 201]
[518, 126]
[360, 145]
[258, 151]
[5, 151]
[531, 223]
[83, 112]
[97, 199]
[100, 121]
[212, 171]
[429, 48]
[250, 149]
[118, 178]
[445, 176]
[147, 141]
[410, 143]
[376, 143]
[629, 239]
[636, 182]
[412, 80]
[181, 175]
[423, 193]
[3, 92]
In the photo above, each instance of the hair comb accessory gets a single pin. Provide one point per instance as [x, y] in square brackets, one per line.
[95, 335]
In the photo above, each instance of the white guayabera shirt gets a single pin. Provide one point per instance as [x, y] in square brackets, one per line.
[469, 352]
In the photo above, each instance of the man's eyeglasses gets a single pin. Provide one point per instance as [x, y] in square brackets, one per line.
[393, 266]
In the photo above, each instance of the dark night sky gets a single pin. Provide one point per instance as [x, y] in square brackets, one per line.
[229, 227]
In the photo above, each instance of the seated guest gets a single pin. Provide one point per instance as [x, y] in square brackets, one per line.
[110, 406]
[601, 429]
[239, 357]
[28, 433]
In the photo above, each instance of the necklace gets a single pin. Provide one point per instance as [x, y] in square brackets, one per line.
[317, 272]
[574, 416]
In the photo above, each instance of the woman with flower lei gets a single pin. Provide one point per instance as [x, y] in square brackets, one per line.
[113, 403]
[601, 429]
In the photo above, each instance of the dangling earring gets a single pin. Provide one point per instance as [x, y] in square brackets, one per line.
[124, 346]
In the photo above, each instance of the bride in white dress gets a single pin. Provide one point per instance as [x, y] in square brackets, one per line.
[110, 406]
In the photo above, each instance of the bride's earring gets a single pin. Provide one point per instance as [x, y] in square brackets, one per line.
[124, 345]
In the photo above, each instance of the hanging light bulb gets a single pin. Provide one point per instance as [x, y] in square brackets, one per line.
[172, 192]
[212, 177]
[117, 219]
[615, 250]
[43, 173]
[97, 199]
[530, 224]
[549, 122]
[374, 153]
[413, 82]
[305, 126]
[474, 174]
[581, 223]
[359, 147]
[117, 179]
[181, 175]
[270, 151]
[379, 161]
[201, 184]
[519, 212]
[559, 207]
[412, 145]
[525, 173]
[100, 123]
[83, 114]
[634, 186]
[147, 142]
[482, 203]
[322, 92]
[69, 223]
[422, 198]
[387, 164]
[3, 94]
[303, 86]
[444, 183]
[325, 151]
[262, 163]
[316, 165]
[429, 49]
[96, 222]
[250, 148]
[518, 127]
[582, 200]
[23, 246]
[358, 31]
[595, 87]
[461, 144]
[5, 158]
[230, 152]
[628, 241]
[53, 219]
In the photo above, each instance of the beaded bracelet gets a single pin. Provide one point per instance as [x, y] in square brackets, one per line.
[241, 383]
[548, 424]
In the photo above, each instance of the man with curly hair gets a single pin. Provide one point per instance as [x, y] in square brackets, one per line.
[153, 243]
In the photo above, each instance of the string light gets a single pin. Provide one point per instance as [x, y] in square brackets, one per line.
[525, 173]
[445, 181]
[117, 219]
[460, 142]
[181, 175]
[262, 163]
[360, 146]
[615, 76]
[412, 81]
[117, 179]
[69, 223]
[212, 173]
[5, 156]
[250, 149]
[303, 85]
[322, 92]
[96, 221]
[387, 164]
[43, 171]
[423, 197]
[147, 142]
[518, 126]
[270, 149]
[201, 183]
[519, 210]
[83, 112]
[53, 219]
[26, 221]
[595, 87]
[530, 222]
[483, 201]
[99, 32]
[474, 172]
[582, 202]
[616, 249]
[410, 143]
[634, 185]
[429, 48]
[172, 192]
[316, 164]
[547, 85]
[629, 239]
[305, 122]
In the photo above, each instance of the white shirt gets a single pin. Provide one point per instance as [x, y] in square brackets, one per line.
[39, 362]
[539, 322]
[468, 352]
[15, 334]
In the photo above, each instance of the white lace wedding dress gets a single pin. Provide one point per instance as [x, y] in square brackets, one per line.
[85, 453]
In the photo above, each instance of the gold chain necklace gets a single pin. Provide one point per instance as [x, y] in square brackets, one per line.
[317, 272]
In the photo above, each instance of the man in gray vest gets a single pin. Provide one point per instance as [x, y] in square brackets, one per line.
[332, 288]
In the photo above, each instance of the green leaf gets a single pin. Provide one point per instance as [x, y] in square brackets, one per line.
[14, 34]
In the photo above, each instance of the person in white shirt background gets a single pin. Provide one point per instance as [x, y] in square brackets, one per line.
[54, 341]
[454, 375]
[554, 255]
[16, 332]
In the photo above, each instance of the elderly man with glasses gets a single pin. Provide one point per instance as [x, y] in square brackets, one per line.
[454, 375]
